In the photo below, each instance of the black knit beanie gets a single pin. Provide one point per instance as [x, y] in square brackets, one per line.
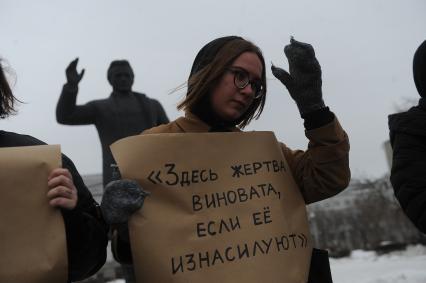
[419, 69]
[209, 51]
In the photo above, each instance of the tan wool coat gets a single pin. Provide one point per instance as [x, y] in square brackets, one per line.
[321, 171]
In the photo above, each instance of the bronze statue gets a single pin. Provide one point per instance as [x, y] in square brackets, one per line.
[122, 114]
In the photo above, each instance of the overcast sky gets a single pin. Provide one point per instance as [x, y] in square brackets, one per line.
[365, 48]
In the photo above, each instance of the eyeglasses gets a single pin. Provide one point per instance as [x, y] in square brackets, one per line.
[242, 79]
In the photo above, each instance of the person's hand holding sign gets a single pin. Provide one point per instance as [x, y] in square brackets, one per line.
[62, 191]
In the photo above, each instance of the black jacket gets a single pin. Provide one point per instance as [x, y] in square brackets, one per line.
[85, 229]
[408, 140]
[408, 174]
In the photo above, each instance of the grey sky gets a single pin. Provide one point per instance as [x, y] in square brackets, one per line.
[365, 48]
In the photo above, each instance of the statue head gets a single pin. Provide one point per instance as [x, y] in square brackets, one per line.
[120, 76]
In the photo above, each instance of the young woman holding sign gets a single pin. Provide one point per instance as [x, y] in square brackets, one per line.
[86, 232]
[227, 89]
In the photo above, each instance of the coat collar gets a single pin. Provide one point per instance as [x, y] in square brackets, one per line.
[191, 123]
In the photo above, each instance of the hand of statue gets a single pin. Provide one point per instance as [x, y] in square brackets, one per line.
[304, 80]
[120, 200]
[73, 77]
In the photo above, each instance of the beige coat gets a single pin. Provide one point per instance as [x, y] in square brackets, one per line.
[320, 172]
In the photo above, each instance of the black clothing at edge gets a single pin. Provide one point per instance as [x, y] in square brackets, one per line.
[408, 174]
[408, 140]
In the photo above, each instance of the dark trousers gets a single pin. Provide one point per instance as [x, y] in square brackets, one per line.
[320, 271]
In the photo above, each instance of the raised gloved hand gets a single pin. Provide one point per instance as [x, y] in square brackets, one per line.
[73, 77]
[304, 80]
[120, 200]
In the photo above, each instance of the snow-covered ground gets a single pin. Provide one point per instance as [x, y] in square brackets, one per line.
[407, 266]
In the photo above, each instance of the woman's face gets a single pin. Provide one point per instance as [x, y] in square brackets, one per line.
[230, 102]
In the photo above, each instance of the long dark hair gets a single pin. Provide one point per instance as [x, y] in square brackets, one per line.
[201, 82]
[7, 103]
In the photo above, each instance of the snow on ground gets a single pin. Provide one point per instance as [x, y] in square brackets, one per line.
[407, 266]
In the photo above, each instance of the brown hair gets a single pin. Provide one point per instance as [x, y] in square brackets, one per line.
[203, 81]
[7, 100]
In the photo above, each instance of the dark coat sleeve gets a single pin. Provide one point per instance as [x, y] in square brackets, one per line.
[408, 175]
[85, 230]
[161, 114]
[68, 113]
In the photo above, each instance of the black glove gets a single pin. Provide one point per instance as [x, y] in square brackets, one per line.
[73, 77]
[120, 200]
[304, 81]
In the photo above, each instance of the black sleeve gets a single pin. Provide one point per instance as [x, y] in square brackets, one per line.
[68, 113]
[86, 231]
[161, 114]
[408, 176]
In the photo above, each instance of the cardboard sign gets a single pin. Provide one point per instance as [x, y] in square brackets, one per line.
[223, 208]
[32, 234]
